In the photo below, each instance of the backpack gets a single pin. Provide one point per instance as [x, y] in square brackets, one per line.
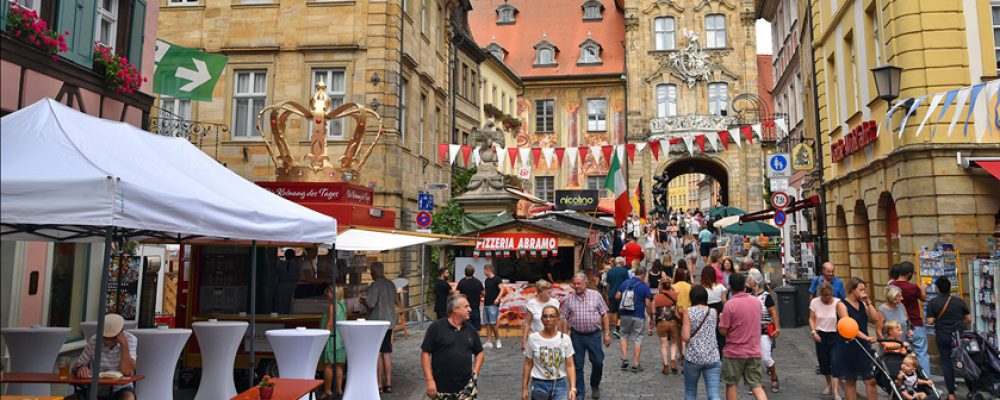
[627, 302]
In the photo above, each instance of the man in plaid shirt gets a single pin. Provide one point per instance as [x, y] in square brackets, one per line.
[585, 319]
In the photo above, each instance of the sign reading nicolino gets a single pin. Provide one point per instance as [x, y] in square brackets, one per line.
[579, 200]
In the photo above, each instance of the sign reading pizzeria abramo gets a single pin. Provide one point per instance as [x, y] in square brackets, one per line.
[516, 241]
[321, 192]
[579, 200]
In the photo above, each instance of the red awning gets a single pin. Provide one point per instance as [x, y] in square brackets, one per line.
[992, 166]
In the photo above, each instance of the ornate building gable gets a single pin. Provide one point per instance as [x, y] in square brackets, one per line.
[708, 3]
[663, 7]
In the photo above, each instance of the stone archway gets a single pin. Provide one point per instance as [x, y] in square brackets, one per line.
[860, 239]
[701, 165]
[840, 254]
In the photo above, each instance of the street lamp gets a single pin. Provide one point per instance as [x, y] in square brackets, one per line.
[887, 81]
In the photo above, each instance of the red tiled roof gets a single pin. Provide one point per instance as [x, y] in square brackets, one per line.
[562, 23]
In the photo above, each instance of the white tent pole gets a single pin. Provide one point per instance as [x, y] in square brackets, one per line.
[333, 284]
[423, 282]
[253, 306]
[95, 363]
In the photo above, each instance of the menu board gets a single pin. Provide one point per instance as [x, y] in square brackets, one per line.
[123, 287]
[942, 262]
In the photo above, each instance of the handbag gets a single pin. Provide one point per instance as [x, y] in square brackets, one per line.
[469, 392]
[962, 362]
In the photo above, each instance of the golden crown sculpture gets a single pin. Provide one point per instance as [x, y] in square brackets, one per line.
[317, 166]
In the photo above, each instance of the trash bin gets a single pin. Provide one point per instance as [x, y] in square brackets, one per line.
[787, 306]
[802, 302]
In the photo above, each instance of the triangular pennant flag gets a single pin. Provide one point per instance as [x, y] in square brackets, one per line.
[972, 106]
[560, 151]
[466, 151]
[724, 138]
[689, 142]
[713, 139]
[701, 142]
[476, 158]
[949, 99]
[548, 152]
[757, 132]
[630, 150]
[930, 110]
[674, 141]
[453, 152]
[596, 152]
[442, 152]
[501, 154]
[747, 132]
[583, 150]
[782, 125]
[536, 155]
[665, 146]
[572, 152]
[888, 116]
[606, 152]
[654, 147]
[991, 90]
[620, 149]
[512, 153]
[913, 108]
[963, 95]
[735, 134]
[525, 154]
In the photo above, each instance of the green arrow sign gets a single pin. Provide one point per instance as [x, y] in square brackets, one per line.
[186, 73]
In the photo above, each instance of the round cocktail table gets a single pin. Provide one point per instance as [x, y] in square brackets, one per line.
[33, 350]
[362, 340]
[297, 351]
[156, 357]
[218, 341]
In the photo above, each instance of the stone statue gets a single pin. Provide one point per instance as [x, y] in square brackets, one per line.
[487, 177]
[691, 63]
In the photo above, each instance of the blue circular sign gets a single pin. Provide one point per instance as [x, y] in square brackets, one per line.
[424, 219]
[779, 163]
[780, 218]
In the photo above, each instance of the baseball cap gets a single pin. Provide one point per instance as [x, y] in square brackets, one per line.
[113, 325]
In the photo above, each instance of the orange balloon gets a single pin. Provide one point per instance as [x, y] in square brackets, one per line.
[847, 327]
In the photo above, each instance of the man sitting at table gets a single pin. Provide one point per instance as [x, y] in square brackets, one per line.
[112, 357]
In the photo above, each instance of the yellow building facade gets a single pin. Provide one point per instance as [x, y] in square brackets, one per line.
[901, 193]
[391, 56]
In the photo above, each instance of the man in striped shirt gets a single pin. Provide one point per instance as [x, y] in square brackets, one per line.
[112, 357]
[585, 318]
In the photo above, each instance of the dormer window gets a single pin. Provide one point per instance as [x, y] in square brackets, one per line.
[592, 10]
[506, 13]
[590, 52]
[545, 53]
[496, 50]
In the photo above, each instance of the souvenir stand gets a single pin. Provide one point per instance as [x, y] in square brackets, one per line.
[984, 274]
[940, 261]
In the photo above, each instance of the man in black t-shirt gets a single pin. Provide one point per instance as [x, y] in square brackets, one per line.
[442, 289]
[948, 314]
[472, 288]
[491, 307]
[448, 349]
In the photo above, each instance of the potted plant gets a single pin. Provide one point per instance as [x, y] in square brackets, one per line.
[119, 75]
[266, 387]
[25, 25]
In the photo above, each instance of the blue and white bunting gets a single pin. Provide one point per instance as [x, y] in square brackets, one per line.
[913, 108]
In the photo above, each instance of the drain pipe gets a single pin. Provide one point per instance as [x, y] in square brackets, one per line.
[821, 228]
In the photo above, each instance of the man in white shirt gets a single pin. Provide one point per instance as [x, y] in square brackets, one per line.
[113, 358]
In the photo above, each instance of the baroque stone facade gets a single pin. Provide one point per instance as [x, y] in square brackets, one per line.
[691, 70]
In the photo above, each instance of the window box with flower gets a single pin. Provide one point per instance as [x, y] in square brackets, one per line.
[25, 25]
[119, 75]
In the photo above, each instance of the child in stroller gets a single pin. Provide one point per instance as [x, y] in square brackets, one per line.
[910, 385]
[893, 375]
[894, 331]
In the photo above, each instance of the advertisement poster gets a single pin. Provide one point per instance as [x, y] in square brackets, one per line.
[123, 287]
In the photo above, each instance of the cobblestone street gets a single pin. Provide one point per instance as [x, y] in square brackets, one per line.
[501, 375]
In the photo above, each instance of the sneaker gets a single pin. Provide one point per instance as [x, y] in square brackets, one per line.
[595, 393]
[624, 364]
[499, 345]
[637, 368]
[487, 345]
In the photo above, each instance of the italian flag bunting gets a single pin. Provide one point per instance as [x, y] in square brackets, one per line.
[615, 182]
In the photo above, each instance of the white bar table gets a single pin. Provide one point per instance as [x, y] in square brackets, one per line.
[218, 342]
[362, 340]
[297, 351]
[89, 328]
[156, 358]
[33, 350]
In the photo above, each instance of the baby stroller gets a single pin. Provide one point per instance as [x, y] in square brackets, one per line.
[987, 358]
[887, 366]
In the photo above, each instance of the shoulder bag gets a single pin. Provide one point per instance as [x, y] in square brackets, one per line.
[703, 319]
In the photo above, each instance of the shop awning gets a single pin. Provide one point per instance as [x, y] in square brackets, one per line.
[375, 239]
[993, 167]
[990, 164]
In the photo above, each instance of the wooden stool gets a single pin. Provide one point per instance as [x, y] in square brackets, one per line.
[401, 314]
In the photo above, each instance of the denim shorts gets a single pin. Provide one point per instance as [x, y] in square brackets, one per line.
[490, 314]
[550, 390]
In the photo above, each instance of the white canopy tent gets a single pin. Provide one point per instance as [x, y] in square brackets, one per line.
[69, 176]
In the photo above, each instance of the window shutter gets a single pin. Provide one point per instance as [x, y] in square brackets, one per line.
[4, 9]
[78, 17]
[137, 36]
